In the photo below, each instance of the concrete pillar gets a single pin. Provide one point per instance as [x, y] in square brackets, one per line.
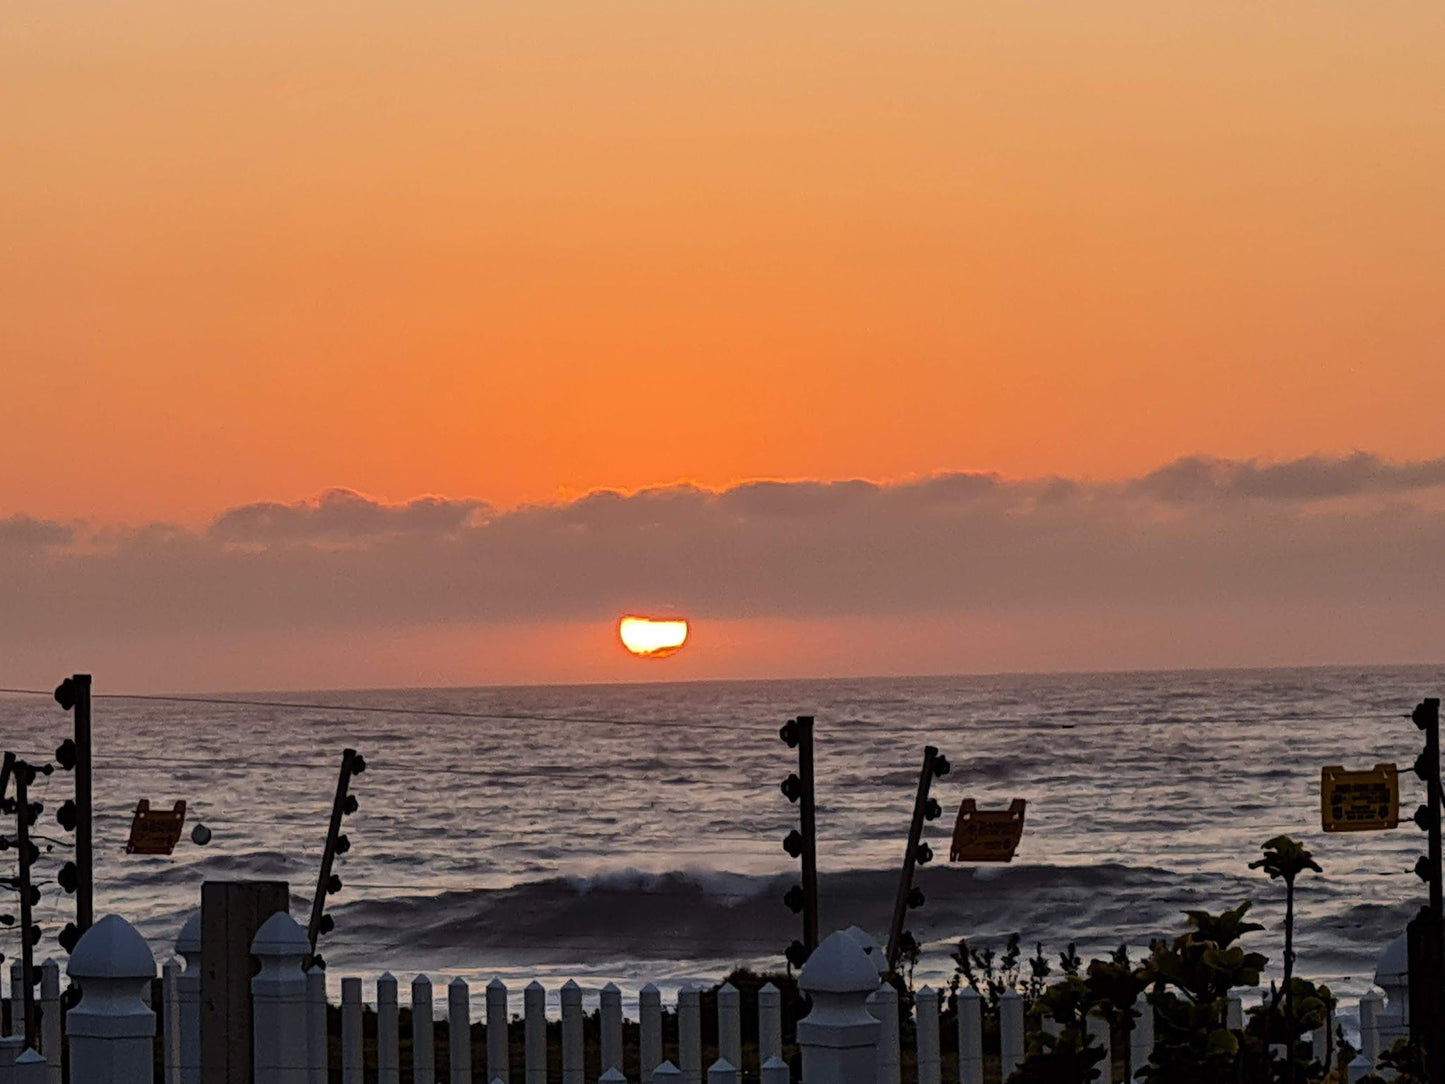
[1010, 1032]
[770, 1023]
[111, 1029]
[534, 1000]
[689, 1034]
[839, 1038]
[930, 1065]
[279, 1012]
[730, 1026]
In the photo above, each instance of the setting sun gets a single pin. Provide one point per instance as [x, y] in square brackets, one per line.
[652, 638]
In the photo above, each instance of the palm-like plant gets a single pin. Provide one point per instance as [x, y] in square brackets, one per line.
[1285, 859]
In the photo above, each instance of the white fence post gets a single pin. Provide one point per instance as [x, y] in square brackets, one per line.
[610, 1039]
[970, 1036]
[730, 1026]
[1141, 1039]
[11, 1047]
[171, 1022]
[649, 1048]
[279, 1037]
[1370, 1006]
[723, 1072]
[930, 1063]
[534, 1000]
[423, 1039]
[318, 1055]
[774, 1070]
[50, 1029]
[1320, 1039]
[839, 1038]
[1234, 1013]
[459, 1031]
[1360, 1068]
[351, 1049]
[29, 1068]
[571, 999]
[497, 1055]
[611, 1076]
[666, 1073]
[188, 994]
[770, 1024]
[1098, 1029]
[689, 1034]
[388, 1031]
[883, 1004]
[111, 1029]
[1010, 1032]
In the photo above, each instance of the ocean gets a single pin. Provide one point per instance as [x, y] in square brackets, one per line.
[633, 832]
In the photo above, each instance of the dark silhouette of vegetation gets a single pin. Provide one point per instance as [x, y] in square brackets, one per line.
[1285, 859]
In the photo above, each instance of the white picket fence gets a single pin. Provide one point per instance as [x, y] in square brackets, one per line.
[851, 1037]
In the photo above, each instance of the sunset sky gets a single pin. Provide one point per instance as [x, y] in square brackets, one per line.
[1055, 330]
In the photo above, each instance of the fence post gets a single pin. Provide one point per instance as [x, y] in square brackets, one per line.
[1370, 1006]
[534, 1002]
[351, 1050]
[279, 1009]
[723, 1072]
[318, 1056]
[11, 1047]
[388, 1031]
[459, 1031]
[774, 1070]
[930, 1067]
[188, 995]
[666, 1073]
[1141, 1039]
[1360, 1068]
[1098, 1029]
[1010, 1032]
[29, 1068]
[111, 1030]
[50, 1029]
[1320, 1038]
[729, 1026]
[423, 1039]
[171, 1026]
[883, 1004]
[497, 1055]
[970, 1036]
[611, 1076]
[649, 1046]
[839, 1038]
[609, 1040]
[571, 999]
[770, 1024]
[689, 1034]
[1234, 1014]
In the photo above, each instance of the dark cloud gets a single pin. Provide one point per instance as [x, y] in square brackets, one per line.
[946, 544]
[342, 515]
[24, 532]
[1310, 478]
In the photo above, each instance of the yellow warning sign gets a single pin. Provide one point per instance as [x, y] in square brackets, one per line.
[987, 835]
[155, 831]
[1367, 801]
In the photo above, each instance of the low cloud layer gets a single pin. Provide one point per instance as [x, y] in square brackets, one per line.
[1193, 538]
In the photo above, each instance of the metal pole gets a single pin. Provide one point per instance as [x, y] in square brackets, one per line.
[84, 810]
[27, 950]
[1432, 757]
[905, 879]
[328, 855]
[809, 823]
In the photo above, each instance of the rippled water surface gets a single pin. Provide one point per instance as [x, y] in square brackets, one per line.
[640, 839]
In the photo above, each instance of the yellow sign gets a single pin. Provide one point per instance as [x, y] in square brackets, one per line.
[155, 831]
[987, 835]
[1366, 801]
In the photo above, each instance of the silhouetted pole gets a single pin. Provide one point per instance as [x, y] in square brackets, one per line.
[351, 764]
[923, 808]
[802, 842]
[1425, 935]
[73, 695]
[27, 938]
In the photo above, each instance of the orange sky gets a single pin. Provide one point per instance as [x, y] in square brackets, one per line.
[248, 251]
